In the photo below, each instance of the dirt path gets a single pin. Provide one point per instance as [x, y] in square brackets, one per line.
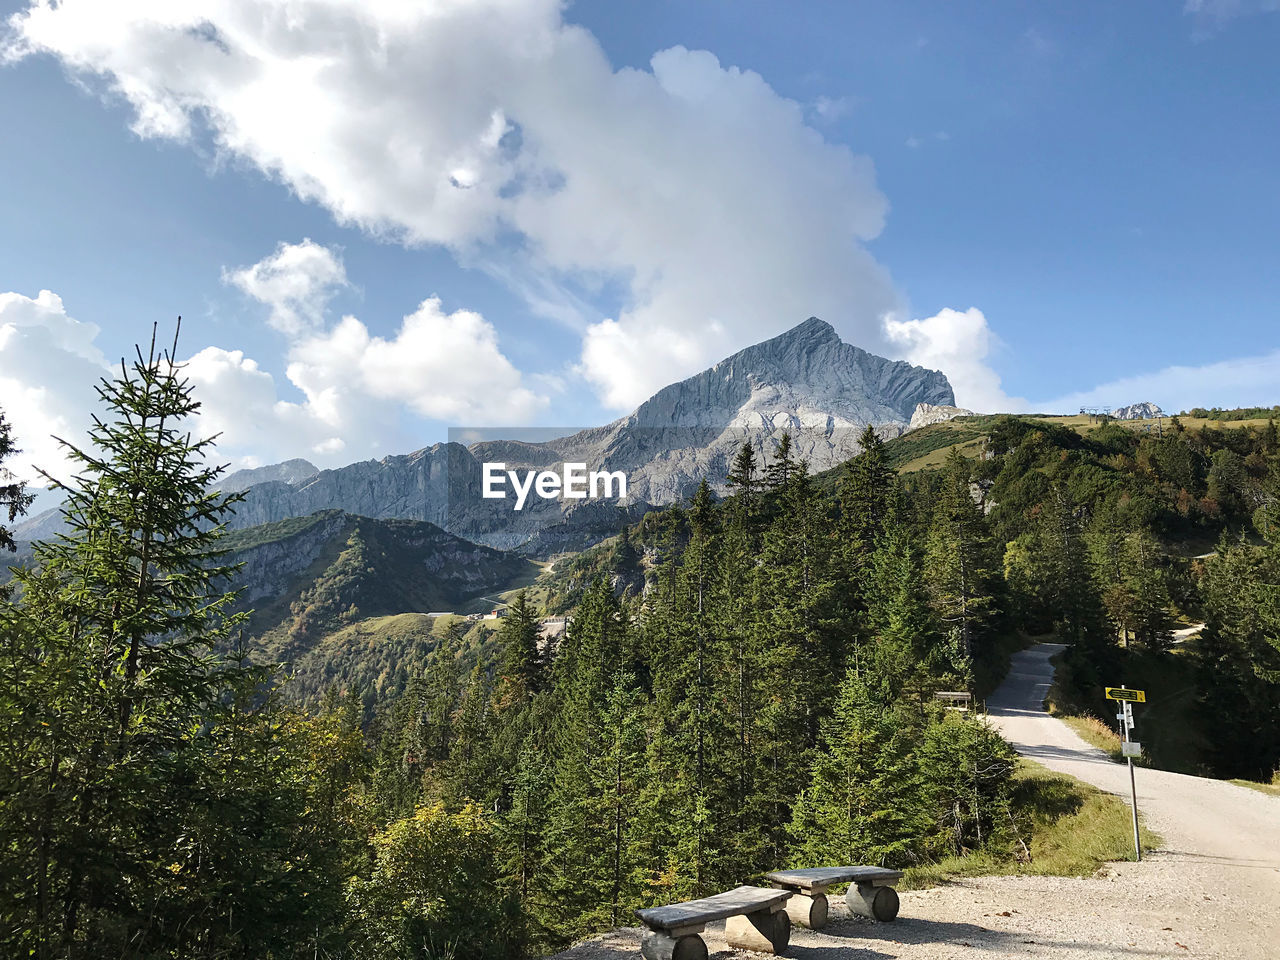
[1213, 891]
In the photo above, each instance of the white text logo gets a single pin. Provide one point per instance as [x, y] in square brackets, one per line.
[573, 483]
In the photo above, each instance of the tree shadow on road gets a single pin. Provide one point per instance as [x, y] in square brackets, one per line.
[851, 939]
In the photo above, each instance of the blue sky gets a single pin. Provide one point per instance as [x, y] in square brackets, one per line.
[1056, 204]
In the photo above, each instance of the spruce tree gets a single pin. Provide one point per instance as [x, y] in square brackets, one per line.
[866, 493]
[14, 499]
[597, 746]
[115, 706]
[863, 803]
[960, 566]
[904, 652]
[742, 476]
[743, 686]
[470, 772]
[782, 467]
[800, 648]
[521, 671]
[687, 797]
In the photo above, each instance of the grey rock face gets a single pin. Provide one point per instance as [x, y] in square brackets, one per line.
[807, 382]
[927, 413]
[291, 471]
[269, 569]
[1138, 411]
[42, 526]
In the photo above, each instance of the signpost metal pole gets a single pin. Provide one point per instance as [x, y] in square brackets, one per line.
[1133, 786]
[1128, 747]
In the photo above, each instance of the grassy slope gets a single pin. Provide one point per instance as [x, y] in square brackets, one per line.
[1270, 788]
[272, 532]
[927, 448]
[1070, 828]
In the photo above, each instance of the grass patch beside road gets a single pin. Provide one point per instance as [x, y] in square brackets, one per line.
[1096, 733]
[1070, 828]
[1271, 788]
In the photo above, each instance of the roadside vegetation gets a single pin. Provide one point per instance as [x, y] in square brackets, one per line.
[1058, 826]
[1272, 788]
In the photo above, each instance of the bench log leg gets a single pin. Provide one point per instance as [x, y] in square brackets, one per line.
[878, 903]
[808, 910]
[763, 931]
[659, 946]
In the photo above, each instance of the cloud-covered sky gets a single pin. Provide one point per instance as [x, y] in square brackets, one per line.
[384, 218]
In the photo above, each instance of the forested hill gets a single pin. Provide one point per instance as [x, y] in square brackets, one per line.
[344, 599]
[744, 685]
[1185, 482]
[1125, 536]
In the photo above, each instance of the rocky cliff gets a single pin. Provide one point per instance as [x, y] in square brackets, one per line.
[927, 413]
[806, 382]
[1138, 411]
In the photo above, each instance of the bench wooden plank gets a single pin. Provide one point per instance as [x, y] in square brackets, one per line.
[827, 876]
[741, 900]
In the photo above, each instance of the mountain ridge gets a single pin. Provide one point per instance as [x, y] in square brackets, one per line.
[805, 381]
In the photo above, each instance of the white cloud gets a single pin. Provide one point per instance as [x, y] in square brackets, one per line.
[441, 366]
[49, 365]
[959, 344]
[354, 385]
[723, 215]
[1238, 382]
[297, 282]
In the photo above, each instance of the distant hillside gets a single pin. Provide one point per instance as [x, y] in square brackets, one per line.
[333, 589]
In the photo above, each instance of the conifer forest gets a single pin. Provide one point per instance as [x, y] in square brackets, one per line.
[746, 682]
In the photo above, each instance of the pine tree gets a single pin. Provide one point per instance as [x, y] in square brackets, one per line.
[783, 467]
[863, 803]
[115, 709]
[14, 499]
[523, 827]
[521, 671]
[1068, 586]
[959, 561]
[800, 649]
[1270, 441]
[866, 493]
[588, 873]
[904, 651]
[687, 798]
[1238, 659]
[470, 772]
[742, 476]
[967, 769]
[743, 686]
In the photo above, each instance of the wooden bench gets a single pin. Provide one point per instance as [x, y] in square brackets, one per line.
[870, 894]
[755, 919]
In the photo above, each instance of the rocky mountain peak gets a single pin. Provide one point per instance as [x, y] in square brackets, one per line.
[806, 382]
[927, 413]
[1138, 411]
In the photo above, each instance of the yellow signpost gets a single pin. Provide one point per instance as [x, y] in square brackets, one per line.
[1123, 693]
[1129, 747]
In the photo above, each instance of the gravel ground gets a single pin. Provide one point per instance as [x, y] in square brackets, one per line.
[1212, 891]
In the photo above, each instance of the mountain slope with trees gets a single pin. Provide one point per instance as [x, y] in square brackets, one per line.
[746, 683]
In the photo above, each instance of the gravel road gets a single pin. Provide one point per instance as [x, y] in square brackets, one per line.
[1213, 890]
